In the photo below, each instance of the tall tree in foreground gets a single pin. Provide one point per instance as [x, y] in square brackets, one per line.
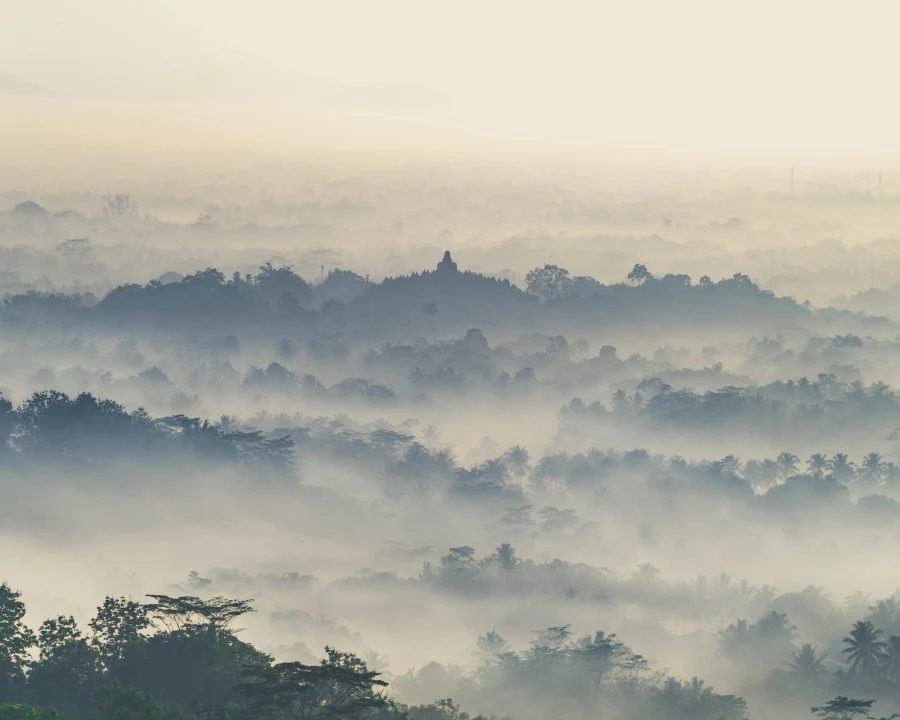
[341, 686]
[843, 708]
[15, 641]
[117, 627]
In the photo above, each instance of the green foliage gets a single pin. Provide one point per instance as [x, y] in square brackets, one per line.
[195, 664]
[843, 708]
[695, 700]
[116, 702]
[54, 427]
[117, 627]
[68, 669]
[179, 613]
[21, 711]
[340, 686]
[444, 709]
[16, 639]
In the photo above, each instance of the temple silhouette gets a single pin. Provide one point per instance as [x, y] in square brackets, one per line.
[446, 265]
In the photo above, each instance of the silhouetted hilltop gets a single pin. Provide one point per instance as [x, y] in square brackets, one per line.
[455, 300]
[441, 302]
[673, 298]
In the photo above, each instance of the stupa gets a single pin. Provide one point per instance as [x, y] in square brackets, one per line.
[446, 265]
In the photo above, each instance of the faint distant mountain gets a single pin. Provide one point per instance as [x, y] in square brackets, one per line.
[12, 85]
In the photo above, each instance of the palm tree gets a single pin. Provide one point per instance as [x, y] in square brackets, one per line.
[495, 471]
[517, 460]
[761, 474]
[671, 694]
[431, 435]
[806, 663]
[873, 468]
[817, 464]
[443, 463]
[841, 468]
[863, 649]
[787, 464]
[228, 423]
[549, 470]
[492, 643]
[891, 473]
[697, 689]
[881, 390]
[735, 636]
[428, 572]
[890, 659]
[775, 626]
[885, 614]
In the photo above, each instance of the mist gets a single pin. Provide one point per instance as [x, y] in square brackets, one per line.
[402, 362]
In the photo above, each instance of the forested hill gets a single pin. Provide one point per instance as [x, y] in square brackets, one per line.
[440, 302]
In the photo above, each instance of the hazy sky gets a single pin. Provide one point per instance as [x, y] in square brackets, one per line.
[765, 76]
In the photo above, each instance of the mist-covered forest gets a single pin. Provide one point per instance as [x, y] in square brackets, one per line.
[449, 443]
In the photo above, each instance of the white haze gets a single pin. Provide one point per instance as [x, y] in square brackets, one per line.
[695, 137]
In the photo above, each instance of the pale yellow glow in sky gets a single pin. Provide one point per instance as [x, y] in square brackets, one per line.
[775, 77]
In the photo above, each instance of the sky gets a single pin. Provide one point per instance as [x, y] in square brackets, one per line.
[758, 78]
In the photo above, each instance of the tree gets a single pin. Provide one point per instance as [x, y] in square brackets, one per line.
[787, 464]
[443, 709]
[890, 659]
[557, 345]
[505, 557]
[16, 639]
[863, 649]
[872, 468]
[277, 284]
[695, 700]
[117, 627]
[119, 206]
[885, 614]
[841, 468]
[495, 472]
[198, 663]
[68, 668]
[492, 643]
[116, 702]
[735, 637]
[639, 274]
[517, 459]
[599, 654]
[341, 686]
[459, 561]
[548, 283]
[842, 708]
[20, 711]
[817, 464]
[552, 638]
[806, 663]
[179, 613]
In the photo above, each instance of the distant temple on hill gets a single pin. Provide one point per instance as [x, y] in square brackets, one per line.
[446, 265]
